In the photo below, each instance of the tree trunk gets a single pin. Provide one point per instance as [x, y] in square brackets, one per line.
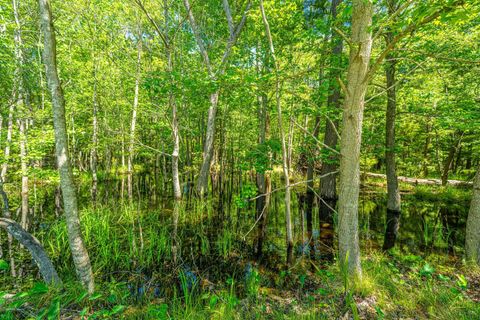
[361, 45]
[177, 192]
[472, 236]
[93, 154]
[8, 142]
[288, 215]
[449, 160]
[426, 149]
[77, 246]
[310, 193]
[24, 169]
[393, 194]
[262, 179]
[21, 99]
[202, 182]
[328, 180]
[47, 270]
[291, 134]
[234, 31]
[45, 265]
[133, 123]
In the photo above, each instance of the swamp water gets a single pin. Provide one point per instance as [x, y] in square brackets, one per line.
[156, 248]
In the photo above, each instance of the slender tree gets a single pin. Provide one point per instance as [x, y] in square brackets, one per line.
[133, 121]
[77, 246]
[328, 180]
[393, 193]
[214, 74]
[286, 175]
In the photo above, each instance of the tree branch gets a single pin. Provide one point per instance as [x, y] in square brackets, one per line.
[410, 28]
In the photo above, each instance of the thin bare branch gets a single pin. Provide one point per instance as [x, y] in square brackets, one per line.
[316, 140]
[154, 24]
[343, 35]
[391, 18]
[410, 28]
[198, 38]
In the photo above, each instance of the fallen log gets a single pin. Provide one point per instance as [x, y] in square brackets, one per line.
[45, 265]
[438, 182]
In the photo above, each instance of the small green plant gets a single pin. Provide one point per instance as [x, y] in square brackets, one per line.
[252, 282]
[462, 281]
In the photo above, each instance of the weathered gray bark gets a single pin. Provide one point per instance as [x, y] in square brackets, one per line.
[360, 50]
[472, 236]
[177, 191]
[77, 246]
[393, 193]
[417, 181]
[46, 267]
[286, 176]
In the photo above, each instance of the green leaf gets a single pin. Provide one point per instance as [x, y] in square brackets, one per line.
[117, 309]
[54, 310]
[4, 265]
[95, 296]
[427, 270]
[462, 281]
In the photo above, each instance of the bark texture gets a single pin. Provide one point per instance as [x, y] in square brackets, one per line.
[45, 265]
[360, 50]
[472, 236]
[77, 246]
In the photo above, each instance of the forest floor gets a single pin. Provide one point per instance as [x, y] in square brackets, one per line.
[395, 286]
[217, 277]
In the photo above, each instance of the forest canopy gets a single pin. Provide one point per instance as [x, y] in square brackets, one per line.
[240, 159]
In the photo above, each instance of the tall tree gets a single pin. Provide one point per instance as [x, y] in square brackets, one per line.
[133, 121]
[357, 80]
[214, 74]
[77, 246]
[21, 101]
[286, 175]
[328, 179]
[393, 193]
